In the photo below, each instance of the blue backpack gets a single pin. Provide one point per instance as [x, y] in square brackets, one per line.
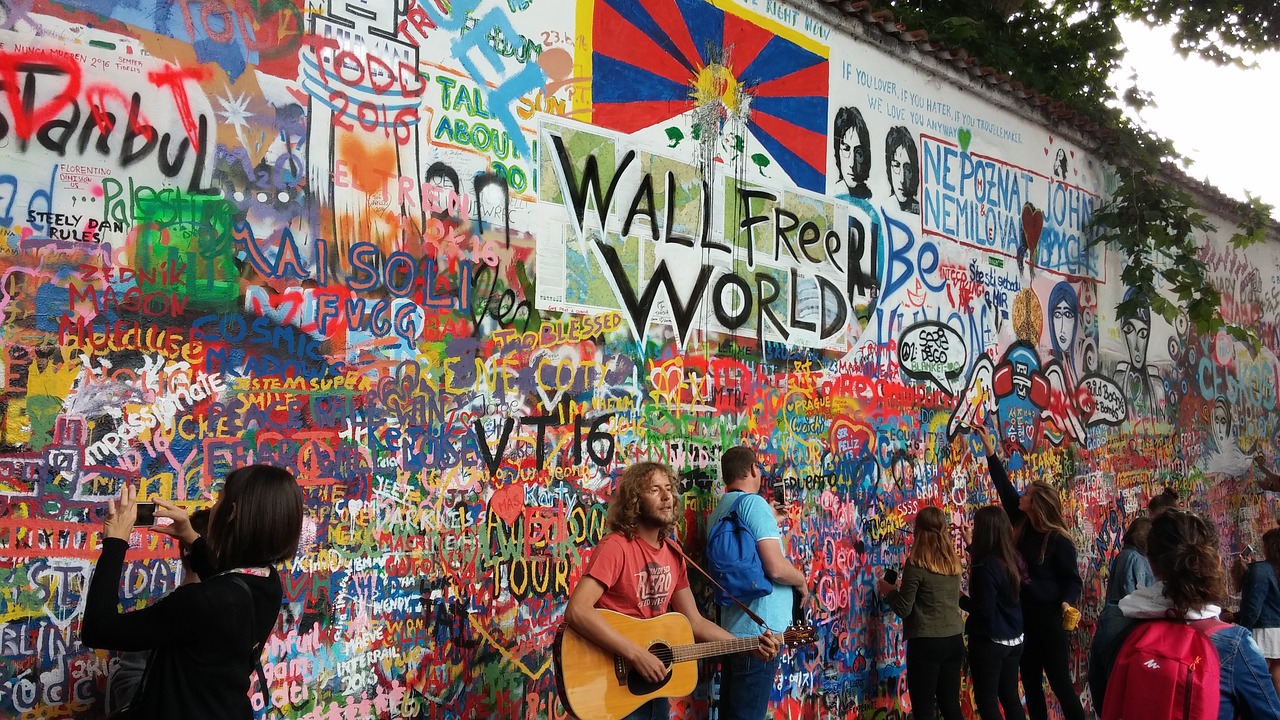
[733, 560]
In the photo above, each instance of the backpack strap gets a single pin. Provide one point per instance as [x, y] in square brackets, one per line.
[1206, 627]
[257, 649]
[750, 613]
[733, 509]
[125, 711]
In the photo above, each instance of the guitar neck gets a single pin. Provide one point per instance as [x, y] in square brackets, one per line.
[697, 651]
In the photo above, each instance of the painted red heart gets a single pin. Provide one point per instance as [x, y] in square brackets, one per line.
[508, 502]
[1032, 226]
[851, 438]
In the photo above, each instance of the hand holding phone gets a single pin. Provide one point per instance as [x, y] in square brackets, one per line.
[146, 514]
[891, 576]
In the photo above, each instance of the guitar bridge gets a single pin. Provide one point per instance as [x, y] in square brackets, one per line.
[620, 669]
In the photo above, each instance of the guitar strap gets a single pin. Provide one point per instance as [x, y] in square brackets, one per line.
[750, 613]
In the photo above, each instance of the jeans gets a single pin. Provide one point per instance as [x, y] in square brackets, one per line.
[656, 709]
[933, 676]
[746, 686]
[995, 678]
[1044, 655]
[1112, 628]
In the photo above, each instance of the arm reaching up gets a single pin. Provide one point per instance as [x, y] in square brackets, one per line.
[1000, 477]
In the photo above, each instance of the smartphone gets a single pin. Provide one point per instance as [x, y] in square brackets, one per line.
[146, 514]
[891, 576]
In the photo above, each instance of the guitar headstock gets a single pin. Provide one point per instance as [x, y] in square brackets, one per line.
[800, 635]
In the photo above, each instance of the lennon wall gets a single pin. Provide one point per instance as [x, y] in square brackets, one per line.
[457, 265]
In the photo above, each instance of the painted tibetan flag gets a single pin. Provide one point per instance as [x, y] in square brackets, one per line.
[655, 59]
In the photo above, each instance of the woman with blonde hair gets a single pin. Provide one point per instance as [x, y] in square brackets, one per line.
[1054, 585]
[929, 604]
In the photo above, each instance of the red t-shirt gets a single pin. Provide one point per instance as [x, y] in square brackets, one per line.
[639, 578]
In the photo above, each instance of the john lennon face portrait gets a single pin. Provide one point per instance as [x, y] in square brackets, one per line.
[851, 145]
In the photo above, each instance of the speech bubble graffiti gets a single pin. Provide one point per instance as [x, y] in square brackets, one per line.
[1108, 401]
[932, 351]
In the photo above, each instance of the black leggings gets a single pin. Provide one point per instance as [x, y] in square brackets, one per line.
[1044, 654]
[995, 678]
[933, 676]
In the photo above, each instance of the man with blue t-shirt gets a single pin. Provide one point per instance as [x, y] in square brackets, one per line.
[748, 681]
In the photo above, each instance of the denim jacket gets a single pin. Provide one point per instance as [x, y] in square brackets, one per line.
[1260, 598]
[1245, 683]
[1130, 570]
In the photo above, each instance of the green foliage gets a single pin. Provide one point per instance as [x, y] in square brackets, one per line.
[1153, 226]
[1218, 30]
[1068, 50]
[1254, 221]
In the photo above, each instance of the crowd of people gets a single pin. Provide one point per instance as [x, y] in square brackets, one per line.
[1008, 608]
[1011, 625]
[1023, 584]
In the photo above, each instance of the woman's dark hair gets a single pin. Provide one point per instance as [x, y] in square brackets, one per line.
[993, 536]
[1183, 550]
[1271, 548]
[1137, 534]
[258, 518]
[1166, 500]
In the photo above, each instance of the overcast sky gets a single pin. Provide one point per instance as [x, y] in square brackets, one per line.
[1222, 118]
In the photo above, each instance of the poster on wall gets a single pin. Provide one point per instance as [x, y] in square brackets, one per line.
[628, 228]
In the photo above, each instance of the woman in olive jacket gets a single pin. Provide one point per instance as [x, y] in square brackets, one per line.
[929, 604]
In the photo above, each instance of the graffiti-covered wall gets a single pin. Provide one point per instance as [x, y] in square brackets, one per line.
[457, 264]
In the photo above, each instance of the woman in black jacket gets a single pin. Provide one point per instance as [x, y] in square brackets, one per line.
[994, 626]
[204, 638]
[1040, 536]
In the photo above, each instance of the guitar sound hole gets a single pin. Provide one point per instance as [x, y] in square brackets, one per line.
[638, 685]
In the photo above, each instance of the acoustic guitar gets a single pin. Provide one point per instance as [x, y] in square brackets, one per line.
[595, 684]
